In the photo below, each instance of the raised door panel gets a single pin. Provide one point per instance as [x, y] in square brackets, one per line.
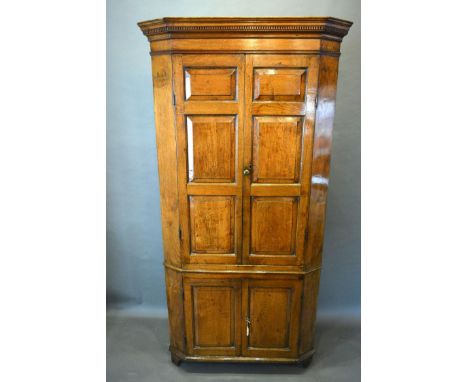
[212, 222]
[274, 221]
[280, 112]
[279, 84]
[210, 83]
[271, 308]
[277, 149]
[211, 148]
[209, 122]
[213, 309]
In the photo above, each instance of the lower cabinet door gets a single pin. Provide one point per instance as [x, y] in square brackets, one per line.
[213, 316]
[271, 318]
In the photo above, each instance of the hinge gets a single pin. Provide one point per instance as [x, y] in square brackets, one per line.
[316, 100]
[180, 234]
[306, 235]
[173, 99]
[248, 325]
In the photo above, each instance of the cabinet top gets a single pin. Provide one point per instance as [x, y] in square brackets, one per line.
[313, 27]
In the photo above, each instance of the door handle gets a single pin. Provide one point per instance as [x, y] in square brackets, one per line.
[246, 171]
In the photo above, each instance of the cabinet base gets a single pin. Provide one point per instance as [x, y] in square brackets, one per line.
[177, 357]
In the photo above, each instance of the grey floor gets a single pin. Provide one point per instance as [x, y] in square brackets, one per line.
[137, 351]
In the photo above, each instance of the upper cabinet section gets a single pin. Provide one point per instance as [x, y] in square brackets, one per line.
[245, 35]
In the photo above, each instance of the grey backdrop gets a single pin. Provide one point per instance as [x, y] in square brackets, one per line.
[135, 274]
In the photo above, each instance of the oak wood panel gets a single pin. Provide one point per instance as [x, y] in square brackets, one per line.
[279, 84]
[213, 316]
[286, 148]
[274, 221]
[278, 108]
[282, 61]
[213, 307]
[175, 307]
[277, 150]
[210, 84]
[238, 276]
[309, 310]
[235, 45]
[271, 308]
[244, 269]
[167, 156]
[213, 189]
[211, 148]
[212, 220]
[328, 76]
[216, 146]
[208, 107]
[265, 189]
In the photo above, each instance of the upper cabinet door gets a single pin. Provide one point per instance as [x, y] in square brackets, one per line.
[280, 99]
[209, 104]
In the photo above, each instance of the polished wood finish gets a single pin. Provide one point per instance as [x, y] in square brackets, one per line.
[279, 84]
[211, 145]
[272, 308]
[244, 115]
[210, 84]
[208, 163]
[273, 226]
[277, 149]
[278, 136]
[213, 316]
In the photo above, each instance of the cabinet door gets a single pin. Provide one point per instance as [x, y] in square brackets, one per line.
[209, 104]
[271, 312]
[280, 107]
[213, 316]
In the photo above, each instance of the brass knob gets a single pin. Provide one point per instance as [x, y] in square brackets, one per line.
[246, 171]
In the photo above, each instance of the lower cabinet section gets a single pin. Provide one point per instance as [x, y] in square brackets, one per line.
[248, 317]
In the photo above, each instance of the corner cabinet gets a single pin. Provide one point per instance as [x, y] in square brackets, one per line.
[244, 114]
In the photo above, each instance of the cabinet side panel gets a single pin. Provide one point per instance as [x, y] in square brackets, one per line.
[309, 311]
[328, 74]
[167, 156]
[175, 307]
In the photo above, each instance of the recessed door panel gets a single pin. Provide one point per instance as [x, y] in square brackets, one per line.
[212, 309]
[211, 145]
[276, 149]
[212, 224]
[273, 227]
[270, 315]
[271, 308]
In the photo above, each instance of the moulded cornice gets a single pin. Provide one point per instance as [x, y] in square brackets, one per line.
[314, 26]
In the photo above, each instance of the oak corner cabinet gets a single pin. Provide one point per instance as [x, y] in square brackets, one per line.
[244, 114]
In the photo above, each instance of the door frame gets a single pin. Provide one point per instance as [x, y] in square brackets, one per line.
[301, 189]
[186, 108]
